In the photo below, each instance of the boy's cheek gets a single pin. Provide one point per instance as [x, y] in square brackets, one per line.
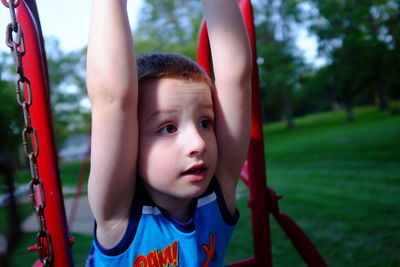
[153, 151]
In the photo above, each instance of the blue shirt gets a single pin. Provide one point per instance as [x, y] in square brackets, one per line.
[154, 238]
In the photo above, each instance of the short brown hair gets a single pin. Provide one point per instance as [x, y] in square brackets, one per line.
[163, 65]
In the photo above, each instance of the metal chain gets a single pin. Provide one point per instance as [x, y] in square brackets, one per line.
[15, 41]
[5, 2]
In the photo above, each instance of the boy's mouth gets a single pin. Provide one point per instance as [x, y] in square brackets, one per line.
[196, 169]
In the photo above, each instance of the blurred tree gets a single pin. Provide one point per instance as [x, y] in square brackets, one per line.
[168, 26]
[392, 26]
[318, 92]
[10, 112]
[68, 90]
[361, 40]
[67, 84]
[280, 67]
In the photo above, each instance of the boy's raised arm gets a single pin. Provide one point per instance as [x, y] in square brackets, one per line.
[231, 54]
[112, 88]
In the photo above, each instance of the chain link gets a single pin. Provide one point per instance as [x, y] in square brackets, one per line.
[15, 41]
[16, 3]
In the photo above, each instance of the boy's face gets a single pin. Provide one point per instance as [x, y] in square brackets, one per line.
[177, 143]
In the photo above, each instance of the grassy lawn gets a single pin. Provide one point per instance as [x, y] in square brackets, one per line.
[69, 174]
[340, 182]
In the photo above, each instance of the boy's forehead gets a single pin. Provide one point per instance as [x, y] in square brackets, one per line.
[174, 94]
[166, 82]
[167, 88]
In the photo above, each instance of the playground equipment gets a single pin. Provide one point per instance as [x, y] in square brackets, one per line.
[24, 37]
[25, 40]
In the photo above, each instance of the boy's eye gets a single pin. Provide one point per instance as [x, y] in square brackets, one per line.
[168, 129]
[206, 123]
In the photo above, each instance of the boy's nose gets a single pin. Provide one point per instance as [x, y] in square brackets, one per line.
[196, 144]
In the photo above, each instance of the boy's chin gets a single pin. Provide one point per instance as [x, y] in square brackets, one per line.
[191, 193]
[198, 192]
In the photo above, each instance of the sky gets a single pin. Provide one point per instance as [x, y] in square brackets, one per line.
[68, 21]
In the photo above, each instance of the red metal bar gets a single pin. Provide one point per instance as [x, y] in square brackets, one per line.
[299, 239]
[255, 157]
[204, 50]
[35, 66]
[303, 245]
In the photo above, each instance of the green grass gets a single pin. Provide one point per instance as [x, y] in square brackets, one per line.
[340, 182]
[69, 174]
[22, 258]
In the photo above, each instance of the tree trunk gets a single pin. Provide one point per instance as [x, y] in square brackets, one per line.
[336, 106]
[383, 97]
[288, 112]
[349, 110]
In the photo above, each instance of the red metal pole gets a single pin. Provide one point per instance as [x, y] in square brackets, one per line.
[203, 49]
[35, 65]
[256, 158]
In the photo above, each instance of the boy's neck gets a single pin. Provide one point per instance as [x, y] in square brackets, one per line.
[178, 208]
[182, 215]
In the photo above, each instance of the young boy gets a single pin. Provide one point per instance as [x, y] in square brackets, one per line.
[166, 158]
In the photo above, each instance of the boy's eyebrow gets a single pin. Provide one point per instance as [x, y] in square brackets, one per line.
[162, 111]
[172, 110]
